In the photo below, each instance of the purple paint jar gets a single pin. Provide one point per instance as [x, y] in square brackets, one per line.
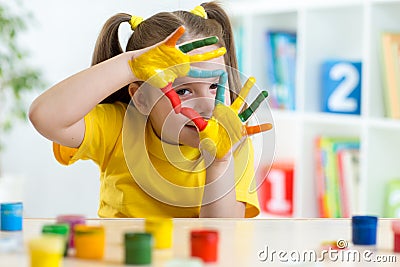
[72, 220]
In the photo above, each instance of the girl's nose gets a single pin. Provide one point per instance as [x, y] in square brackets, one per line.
[204, 105]
[203, 100]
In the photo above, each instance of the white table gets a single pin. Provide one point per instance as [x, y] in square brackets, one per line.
[243, 242]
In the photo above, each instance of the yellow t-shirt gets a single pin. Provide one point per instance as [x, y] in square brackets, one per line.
[141, 176]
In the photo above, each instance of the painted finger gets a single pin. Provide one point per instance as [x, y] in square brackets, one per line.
[220, 95]
[245, 115]
[173, 97]
[198, 73]
[175, 37]
[199, 43]
[258, 128]
[223, 77]
[238, 103]
[208, 55]
[195, 117]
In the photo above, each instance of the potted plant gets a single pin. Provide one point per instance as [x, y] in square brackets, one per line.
[17, 77]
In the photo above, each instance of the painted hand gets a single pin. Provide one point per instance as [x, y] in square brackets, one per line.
[226, 126]
[162, 64]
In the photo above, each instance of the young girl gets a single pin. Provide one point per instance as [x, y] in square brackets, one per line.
[149, 160]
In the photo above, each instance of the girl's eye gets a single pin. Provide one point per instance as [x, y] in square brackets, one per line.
[183, 92]
[214, 86]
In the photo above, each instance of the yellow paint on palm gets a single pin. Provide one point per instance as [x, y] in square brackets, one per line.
[165, 61]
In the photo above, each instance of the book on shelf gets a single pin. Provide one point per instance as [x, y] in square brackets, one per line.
[337, 176]
[392, 198]
[281, 68]
[349, 179]
[390, 45]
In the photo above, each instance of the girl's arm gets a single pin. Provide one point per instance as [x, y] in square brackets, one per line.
[219, 198]
[58, 113]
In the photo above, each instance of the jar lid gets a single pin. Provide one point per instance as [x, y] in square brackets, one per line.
[368, 221]
[396, 226]
[71, 219]
[11, 206]
[205, 234]
[47, 243]
[83, 229]
[138, 238]
[60, 229]
[158, 221]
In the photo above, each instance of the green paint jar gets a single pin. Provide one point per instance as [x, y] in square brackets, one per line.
[138, 248]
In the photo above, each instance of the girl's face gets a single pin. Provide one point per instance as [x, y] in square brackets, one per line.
[196, 93]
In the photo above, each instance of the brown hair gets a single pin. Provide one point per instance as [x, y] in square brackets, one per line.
[158, 27]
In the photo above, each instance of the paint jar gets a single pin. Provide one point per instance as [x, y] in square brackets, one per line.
[396, 231]
[46, 251]
[161, 230]
[204, 244]
[89, 241]
[364, 230]
[138, 248]
[72, 220]
[61, 229]
[11, 216]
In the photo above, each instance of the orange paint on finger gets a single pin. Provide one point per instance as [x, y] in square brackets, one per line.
[258, 128]
[175, 37]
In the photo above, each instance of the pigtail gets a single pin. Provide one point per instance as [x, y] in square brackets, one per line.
[214, 11]
[108, 46]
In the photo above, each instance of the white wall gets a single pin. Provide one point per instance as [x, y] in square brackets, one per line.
[61, 40]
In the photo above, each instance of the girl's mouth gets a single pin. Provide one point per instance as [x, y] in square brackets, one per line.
[191, 126]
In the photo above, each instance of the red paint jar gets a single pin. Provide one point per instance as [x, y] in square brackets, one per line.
[396, 231]
[204, 244]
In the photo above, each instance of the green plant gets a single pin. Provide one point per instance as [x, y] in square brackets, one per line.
[17, 77]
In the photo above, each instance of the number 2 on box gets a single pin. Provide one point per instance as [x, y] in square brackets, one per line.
[339, 99]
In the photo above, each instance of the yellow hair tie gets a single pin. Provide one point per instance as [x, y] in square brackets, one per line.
[199, 11]
[135, 21]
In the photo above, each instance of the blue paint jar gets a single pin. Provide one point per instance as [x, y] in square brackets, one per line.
[364, 230]
[11, 216]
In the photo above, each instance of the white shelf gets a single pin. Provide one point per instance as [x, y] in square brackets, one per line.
[348, 29]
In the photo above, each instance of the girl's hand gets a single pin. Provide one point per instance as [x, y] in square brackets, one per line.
[226, 126]
[163, 63]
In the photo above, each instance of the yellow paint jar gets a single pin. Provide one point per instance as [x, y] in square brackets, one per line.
[89, 241]
[46, 251]
[162, 230]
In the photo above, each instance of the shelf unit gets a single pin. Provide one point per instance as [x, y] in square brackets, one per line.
[326, 29]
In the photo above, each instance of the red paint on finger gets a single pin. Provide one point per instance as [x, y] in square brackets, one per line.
[173, 97]
[195, 117]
